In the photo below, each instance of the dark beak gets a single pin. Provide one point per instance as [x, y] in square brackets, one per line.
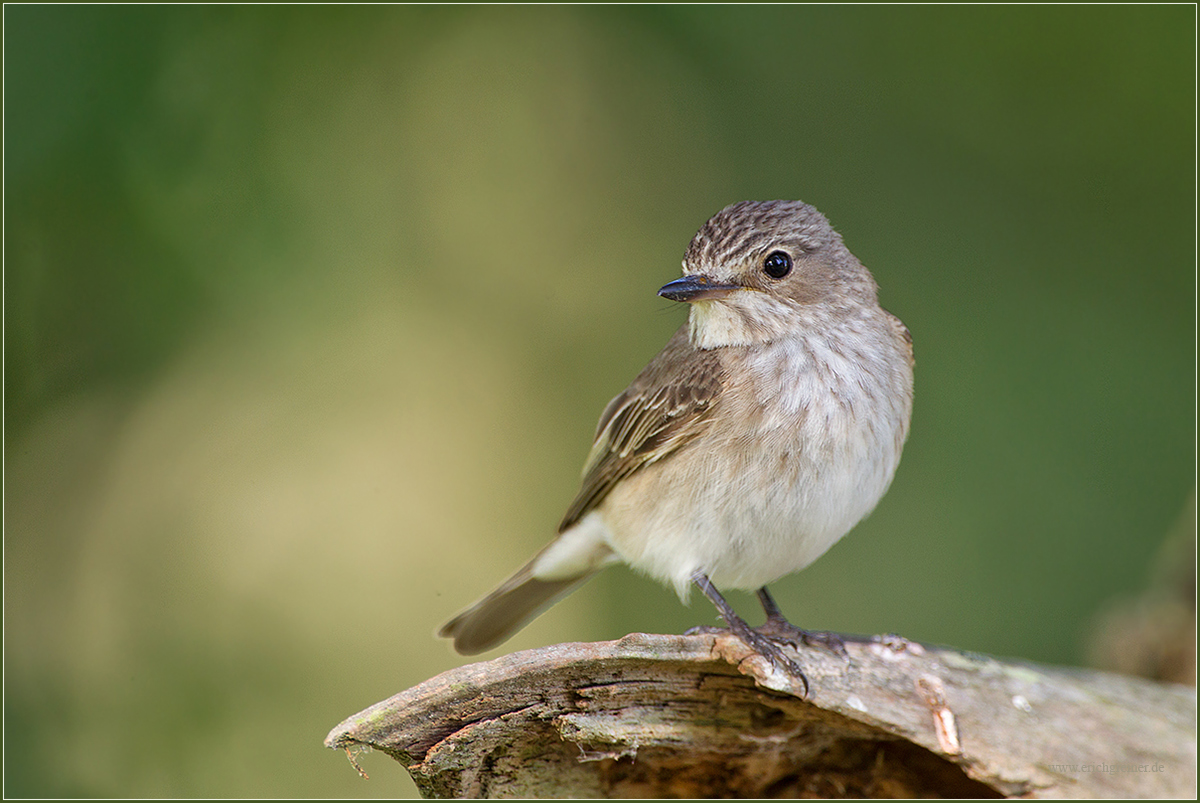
[696, 288]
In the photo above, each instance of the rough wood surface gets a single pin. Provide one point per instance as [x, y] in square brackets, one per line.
[702, 716]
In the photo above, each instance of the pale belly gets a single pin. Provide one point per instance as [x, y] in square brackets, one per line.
[802, 445]
[750, 511]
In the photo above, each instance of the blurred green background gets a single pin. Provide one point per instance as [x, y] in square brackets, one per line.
[310, 312]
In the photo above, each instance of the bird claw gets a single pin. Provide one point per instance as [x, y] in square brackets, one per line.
[765, 644]
[779, 629]
[769, 648]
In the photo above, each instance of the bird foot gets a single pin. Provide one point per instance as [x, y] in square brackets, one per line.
[765, 644]
[777, 628]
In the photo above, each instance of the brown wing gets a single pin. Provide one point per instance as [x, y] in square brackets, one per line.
[666, 406]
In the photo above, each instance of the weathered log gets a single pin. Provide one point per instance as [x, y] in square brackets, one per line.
[703, 716]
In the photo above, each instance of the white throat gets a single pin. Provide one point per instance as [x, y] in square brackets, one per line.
[742, 318]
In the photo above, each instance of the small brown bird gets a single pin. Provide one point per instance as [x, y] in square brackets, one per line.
[769, 425]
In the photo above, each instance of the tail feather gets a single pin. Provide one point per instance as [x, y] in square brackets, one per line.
[556, 571]
[506, 610]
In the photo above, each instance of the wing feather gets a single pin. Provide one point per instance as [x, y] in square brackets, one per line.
[668, 404]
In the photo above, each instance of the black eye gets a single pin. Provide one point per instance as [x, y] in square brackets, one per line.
[777, 264]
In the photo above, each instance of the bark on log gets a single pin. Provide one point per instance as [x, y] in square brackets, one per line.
[703, 716]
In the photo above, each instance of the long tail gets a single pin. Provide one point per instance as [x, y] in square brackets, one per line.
[554, 572]
[506, 610]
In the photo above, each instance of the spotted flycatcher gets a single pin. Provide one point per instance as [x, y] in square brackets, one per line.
[769, 425]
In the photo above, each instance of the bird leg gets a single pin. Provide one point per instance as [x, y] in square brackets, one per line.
[762, 643]
[777, 627]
